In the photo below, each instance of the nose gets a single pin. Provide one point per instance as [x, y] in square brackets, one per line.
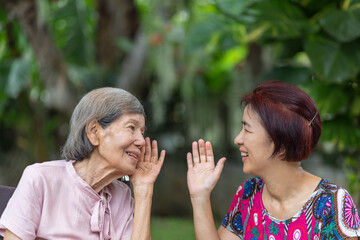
[239, 139]
[140, 141]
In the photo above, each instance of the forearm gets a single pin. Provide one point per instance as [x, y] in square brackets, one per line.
[203, 219]
[142, 212]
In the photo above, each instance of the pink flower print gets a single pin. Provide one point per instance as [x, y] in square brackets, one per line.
[350, 214]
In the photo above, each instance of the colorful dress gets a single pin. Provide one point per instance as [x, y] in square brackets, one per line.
[330, 213]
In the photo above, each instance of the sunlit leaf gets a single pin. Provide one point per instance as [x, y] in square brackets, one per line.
[232, 57]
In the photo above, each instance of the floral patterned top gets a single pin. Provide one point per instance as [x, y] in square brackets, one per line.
[330, 213]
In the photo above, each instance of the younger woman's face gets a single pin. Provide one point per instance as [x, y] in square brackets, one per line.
[254, 143]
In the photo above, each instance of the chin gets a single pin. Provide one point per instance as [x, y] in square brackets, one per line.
[248, 171]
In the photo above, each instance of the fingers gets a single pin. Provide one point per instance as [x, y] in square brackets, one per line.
[195, 153]
[151, 152]
[162, 157]
[219, 166]
[209, 152]
[154, 152]
[147, 156]
[189, 160]
[202, 150]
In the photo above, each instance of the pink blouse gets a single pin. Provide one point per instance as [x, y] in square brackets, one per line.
[51, 201]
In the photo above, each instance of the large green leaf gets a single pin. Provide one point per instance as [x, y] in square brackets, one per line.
[342, 131]
[237, 10]
[342, 25]
[333, 61]
[202, 32]
[289, 74]
[330, 98]
[279, 19]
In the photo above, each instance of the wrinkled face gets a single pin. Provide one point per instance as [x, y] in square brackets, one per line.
[256, 147]
[121, 144]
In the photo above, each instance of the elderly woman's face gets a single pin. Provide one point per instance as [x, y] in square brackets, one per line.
[121, 144]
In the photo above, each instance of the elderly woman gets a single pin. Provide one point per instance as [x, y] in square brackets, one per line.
[281, 126]
[80, 197]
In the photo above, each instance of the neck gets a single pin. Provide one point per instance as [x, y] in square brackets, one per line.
[96, 173]
[286, 180]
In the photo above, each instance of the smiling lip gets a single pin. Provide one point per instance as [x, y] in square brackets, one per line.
[244, 155]
[133, 155]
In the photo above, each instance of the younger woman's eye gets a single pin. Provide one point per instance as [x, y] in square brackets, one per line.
[246, 130]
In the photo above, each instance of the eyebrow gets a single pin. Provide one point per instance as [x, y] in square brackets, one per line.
[245, 123]
[136, 122]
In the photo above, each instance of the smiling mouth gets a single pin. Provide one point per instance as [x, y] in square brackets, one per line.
[132, 155]
[244, 154]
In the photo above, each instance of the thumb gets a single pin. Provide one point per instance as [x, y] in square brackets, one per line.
[219, 166]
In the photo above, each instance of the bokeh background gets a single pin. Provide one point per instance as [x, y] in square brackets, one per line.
[189, 62]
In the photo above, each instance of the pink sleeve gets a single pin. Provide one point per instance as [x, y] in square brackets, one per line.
[22, 213]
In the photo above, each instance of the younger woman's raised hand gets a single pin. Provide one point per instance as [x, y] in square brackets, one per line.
[202, 174]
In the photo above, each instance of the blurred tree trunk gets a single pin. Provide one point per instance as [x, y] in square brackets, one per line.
[117, 19]
[53, 70]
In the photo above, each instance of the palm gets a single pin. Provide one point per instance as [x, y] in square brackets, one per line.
[201, 178]
[146, 172]
[202, 174]
[149, 165]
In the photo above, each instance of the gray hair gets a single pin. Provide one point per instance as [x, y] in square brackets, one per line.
[104, 105]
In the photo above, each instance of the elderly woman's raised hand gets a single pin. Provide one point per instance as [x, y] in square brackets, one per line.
[202, 174]
[149, 165]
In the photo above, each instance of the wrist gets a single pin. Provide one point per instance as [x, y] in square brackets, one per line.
[143, 190]
[200, 199]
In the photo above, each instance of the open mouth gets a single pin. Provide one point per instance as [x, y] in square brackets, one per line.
[244, 154]
[132, 155]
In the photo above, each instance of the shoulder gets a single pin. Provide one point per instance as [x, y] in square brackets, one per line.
[245, 191]
[46, 166]
[335, 205]
[39, 175]
[250, 187]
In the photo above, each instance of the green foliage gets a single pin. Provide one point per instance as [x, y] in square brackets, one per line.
[333, 61]
[326, 34]
[341, 24]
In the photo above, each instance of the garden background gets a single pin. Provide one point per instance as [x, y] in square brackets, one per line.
[189, 62]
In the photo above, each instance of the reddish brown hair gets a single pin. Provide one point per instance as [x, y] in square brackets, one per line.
[289, 116]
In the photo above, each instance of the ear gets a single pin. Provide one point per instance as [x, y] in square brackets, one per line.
[282, 153]
[92, 130]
